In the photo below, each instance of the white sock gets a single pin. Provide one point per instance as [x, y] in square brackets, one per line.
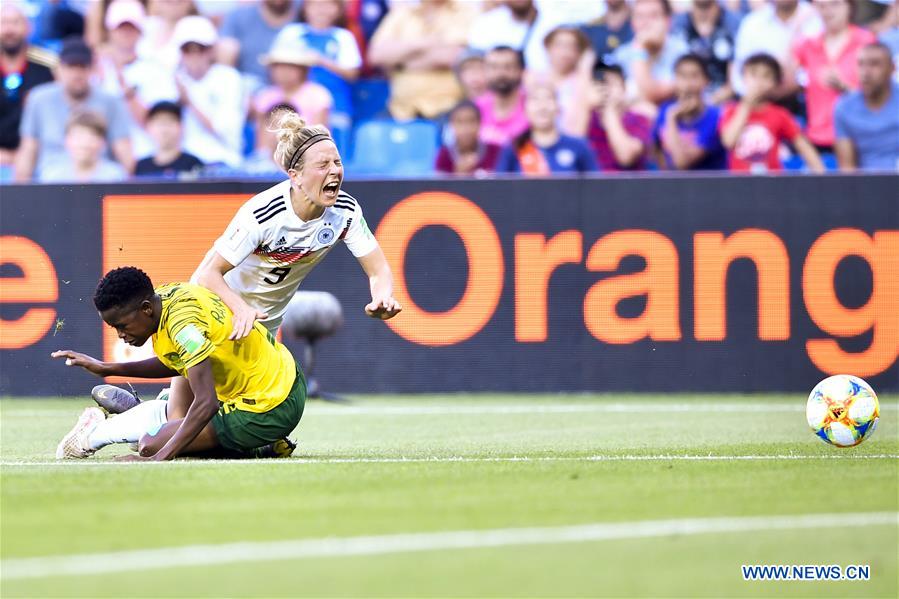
[130, 426]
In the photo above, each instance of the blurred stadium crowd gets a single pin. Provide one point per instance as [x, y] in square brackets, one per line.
[110, 89]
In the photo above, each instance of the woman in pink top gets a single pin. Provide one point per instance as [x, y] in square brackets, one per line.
[829, 61]
[288, 62]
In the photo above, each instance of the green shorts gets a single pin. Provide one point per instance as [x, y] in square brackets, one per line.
[241, 430]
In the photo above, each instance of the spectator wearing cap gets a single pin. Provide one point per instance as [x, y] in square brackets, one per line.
[621, 139]
[210, 93]
[867, 121]
[502, 106]
[710, 31]
[830, 63]
[169, 159]
[469, 71]
[247, 34]
[48, 107]
[95, 31]
[122, 73]
[288, 63]
[22, 69]
[417, 46]
[648, 59]
[687, 128]
[323, 29]
[773, 29]
[83, 160]
[542, 149]
[611, 31]
[464, 153]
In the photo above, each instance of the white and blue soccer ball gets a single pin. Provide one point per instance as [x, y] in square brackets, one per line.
[843, 410]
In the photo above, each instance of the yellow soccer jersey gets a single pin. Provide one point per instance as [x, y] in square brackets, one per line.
[254, 374]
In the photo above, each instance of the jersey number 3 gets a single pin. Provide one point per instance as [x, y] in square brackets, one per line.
[278, 273]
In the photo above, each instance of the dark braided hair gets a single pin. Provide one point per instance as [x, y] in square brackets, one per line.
[122, 287]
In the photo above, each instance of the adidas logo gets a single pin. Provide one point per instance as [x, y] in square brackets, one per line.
[281, 241]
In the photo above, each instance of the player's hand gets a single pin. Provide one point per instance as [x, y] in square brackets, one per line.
[132, 457]
[242, 322]
[383, 309]
[73, 358]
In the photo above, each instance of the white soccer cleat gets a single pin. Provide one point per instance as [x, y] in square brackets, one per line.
[75, 445]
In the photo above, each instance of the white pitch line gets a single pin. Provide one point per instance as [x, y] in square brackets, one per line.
[635, 407]
[309, 461]
[244, 552]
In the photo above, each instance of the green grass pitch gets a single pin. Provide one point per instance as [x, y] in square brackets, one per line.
[461, 495]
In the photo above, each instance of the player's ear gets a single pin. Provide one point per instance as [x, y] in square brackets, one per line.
[146, 307]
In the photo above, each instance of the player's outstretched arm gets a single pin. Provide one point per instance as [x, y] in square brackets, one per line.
[151, 368]
[383, 305]
[199, 414]
[211, 275]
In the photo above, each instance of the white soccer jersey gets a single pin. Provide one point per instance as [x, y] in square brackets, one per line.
[273, 250]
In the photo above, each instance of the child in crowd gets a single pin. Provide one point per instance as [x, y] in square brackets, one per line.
[753, 128]
[621, 138]
[337, 58]
[288, 66]
[542, 149]
[687, 128]
[465, 153]
[85, 145]
[470, 72]
[567, 47]
[164, 127]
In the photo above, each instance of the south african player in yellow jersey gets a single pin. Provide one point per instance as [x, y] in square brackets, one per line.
[246, 393]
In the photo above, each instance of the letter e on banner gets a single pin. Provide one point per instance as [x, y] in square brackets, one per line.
[36, 285]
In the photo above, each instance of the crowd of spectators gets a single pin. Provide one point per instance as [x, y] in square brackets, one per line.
[103, 90]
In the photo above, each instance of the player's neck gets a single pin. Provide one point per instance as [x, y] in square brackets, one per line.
[303, 207]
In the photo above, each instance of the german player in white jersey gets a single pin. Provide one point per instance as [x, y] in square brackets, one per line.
[278, 236]
[271, 244]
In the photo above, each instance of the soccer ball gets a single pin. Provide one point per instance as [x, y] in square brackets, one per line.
[842, 410]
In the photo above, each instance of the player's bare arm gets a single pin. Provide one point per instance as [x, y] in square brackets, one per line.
[211, 275]
[150, 368]
[383, 305]
[202, 409]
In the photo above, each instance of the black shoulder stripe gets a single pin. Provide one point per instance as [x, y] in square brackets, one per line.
[345, 196]
[344, 207]
[261, 215]
[267, 206]
[271, 215]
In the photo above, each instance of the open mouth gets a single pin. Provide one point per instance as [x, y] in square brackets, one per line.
[331, 189]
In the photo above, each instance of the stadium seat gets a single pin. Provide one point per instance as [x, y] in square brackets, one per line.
[389, 148]
[796, 163]
[370, 99]
[341, 127]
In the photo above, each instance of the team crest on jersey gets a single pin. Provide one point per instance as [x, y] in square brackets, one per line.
[325, 236]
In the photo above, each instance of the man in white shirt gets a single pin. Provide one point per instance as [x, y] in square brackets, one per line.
[523, 25]
[211, 94]
[773, 29]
